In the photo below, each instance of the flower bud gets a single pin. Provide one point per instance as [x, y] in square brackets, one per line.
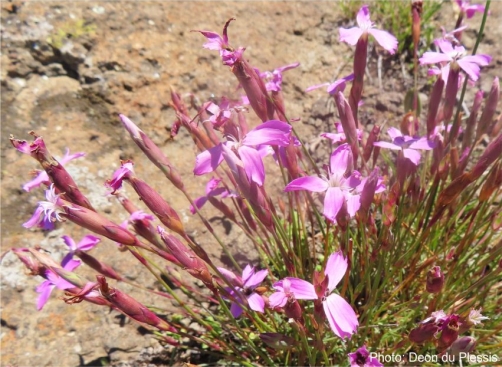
[465, 344]
[132, 308]
[435, 280]
[423, 333]
[485, 121]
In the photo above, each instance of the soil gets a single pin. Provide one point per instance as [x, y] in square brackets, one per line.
[68, 69]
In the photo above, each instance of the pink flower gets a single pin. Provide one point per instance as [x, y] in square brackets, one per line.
[410, 146]
[273, 80]
[212, 190]
[332, 88]
[242, 152]
[54, 281]
[341, 317]
[87, 243]
[365, 26]
[340, 185]
[228, 55]
[47, 211]
[450, 55]
[244, 287]
[340, 136]
[362, 358]
[219, 114]
[468, 9]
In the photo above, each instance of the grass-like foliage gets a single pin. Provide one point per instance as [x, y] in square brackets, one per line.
[390, 252]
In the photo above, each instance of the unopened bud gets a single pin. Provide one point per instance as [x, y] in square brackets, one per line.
[465, 344]
[435, 280]
[423, 333]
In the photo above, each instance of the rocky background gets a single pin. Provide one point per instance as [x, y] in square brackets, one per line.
[68, 69]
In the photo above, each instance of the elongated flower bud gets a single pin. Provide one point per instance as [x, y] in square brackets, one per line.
[356, 91]
[153, 152]
[493, 182]
[348, 122]
[471, 121]
[490, 155]
[34, 266]
[485, 121]
[255, 89]
[187, 258]
[97, 265]
[141, 223]
[423, 333]
[450, 95]
[162, 210]
[372, 138]
[55, 170]
[132, 308]
[434, 101]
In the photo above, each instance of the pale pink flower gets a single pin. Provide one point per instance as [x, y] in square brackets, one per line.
[366, 26]
[341, 317]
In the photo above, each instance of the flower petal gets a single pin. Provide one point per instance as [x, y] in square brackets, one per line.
[208, 160]
[88, 242]
[412, 155]
[253, 165]
[256, 302]
[431, 57]
[273, 132]
[45, 290]
[333, 202]
[340, 160]
[309, 183]
[341, 317]
[423, 144]
[353, 203]
[351, 35]
[336, 266]
[277, 299]
[300, 288]
[385, 39]
[363, 17]
[385, 144]
[235, 310]
[255, 279]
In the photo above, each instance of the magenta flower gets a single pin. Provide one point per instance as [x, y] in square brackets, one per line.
[410, 146]
[341, 317]
[335, 87]
[365, 26]
[244, 289]
[212, 190]
[455, 56]
[362, 358]
[87, 243]
[243, 152]
[42, 177]
[219, 114]
[228, 55]
[54, 281]
[340, 185]
[273, 80]
[339, 136]
[47, 211]
[468, 9]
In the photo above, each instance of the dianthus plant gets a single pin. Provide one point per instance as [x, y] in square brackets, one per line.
[389, 246]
